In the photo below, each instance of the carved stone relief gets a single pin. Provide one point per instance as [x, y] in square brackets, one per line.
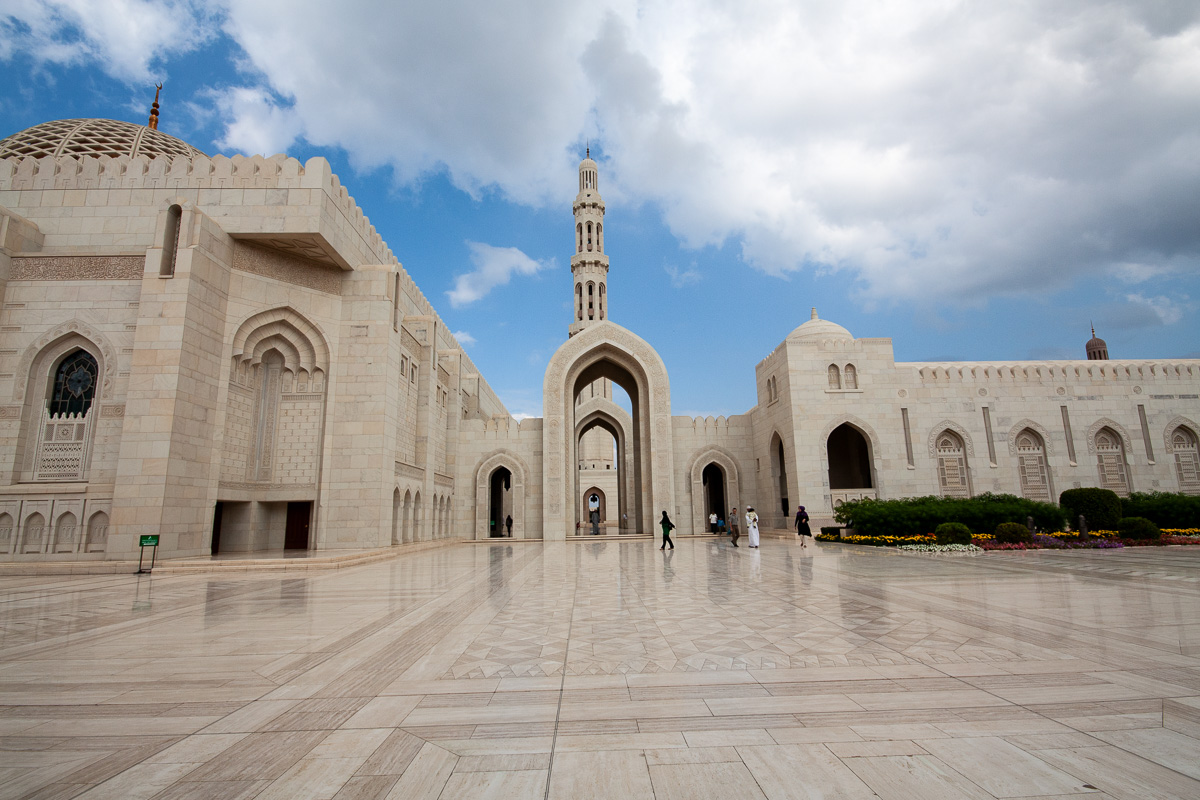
[78, 268]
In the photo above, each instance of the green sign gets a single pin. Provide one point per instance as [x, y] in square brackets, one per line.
[147, 541]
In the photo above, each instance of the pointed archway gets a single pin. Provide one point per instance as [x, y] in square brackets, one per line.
[606, 350]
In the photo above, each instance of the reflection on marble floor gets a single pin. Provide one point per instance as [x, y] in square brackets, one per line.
[611, 669]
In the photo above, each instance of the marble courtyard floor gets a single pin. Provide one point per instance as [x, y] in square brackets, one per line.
[610, 669]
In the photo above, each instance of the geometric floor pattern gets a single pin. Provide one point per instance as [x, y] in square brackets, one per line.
[611, 669]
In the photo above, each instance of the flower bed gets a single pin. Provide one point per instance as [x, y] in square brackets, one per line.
[981, 542]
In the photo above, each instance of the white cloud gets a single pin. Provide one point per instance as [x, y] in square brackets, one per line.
[126, 38]
[464, 338]
[494, 266]
[681, 278]
[1167, 310]
[928, 150]
[258, 123]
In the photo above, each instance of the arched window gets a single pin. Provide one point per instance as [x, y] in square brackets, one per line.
[589, 237]
[170, 243]
[579, 301]
[1187, 462]
[603, 294]
[1031, 464]
[579, 237]
[599, 237]
[851, 377]
[591, 301]
[1110, 460]
[74, 384]
[835, 377]
[953, 477]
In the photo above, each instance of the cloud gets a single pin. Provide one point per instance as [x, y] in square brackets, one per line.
[681, 278]
[128, 39]
[1166, 310]
[464, 338]
[938, 152]
[259, 123]
[494, 266]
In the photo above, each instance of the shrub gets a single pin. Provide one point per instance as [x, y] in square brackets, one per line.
[1100, 507]
[952, 533]
[915, 516]
[1012, 533]
[1137, 528]
[1164, 509]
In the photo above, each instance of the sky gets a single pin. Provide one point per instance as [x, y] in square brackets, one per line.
[977, 181]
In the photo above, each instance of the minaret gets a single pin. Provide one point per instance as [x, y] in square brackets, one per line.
[1096, 348]
[589, 265]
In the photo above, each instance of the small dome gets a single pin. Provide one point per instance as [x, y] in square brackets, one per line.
[1096, 348]
[93, 137]
[820, 329]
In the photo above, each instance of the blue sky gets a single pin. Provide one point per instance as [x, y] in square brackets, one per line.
[975, 182]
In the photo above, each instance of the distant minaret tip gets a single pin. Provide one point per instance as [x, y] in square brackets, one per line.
[814, 314]
[153, 123]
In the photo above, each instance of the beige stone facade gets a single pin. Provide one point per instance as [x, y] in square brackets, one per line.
[225, 353]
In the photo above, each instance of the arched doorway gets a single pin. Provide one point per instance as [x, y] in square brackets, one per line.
[715, 498]
[849, 457]
[500, 504]
[779, 480]
[607, 351]
[593, 499]
[612, 484]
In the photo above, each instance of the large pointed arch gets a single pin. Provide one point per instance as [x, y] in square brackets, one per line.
[606, 350]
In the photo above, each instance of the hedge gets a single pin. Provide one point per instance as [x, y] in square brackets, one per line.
[1164, 509]
[916, 516]
[1137, 528]
[1100, 507]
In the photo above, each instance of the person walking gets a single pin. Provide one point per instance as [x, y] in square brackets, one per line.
[802, 529]
[733, 526]
[712, 522]
[752, 526]
[667, 526]
[508, 524]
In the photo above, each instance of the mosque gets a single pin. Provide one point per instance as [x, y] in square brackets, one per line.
[224, 352]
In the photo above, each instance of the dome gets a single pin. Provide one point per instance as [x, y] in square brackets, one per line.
[820, 329]
[93, 137]
[1096, 348]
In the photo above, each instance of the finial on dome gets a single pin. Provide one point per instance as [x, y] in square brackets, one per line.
[814, 313]
[1093, 330]
[587, 150]
[153, 123]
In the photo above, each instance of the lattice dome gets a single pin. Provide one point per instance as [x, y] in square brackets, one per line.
[93, 137]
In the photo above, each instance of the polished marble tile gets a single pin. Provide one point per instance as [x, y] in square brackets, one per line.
[480, 671]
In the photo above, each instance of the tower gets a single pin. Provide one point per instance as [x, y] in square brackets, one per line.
[589, 264]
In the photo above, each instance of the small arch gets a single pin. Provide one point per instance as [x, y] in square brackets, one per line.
[603, 301]
[1110, 461]
[397, 510]
[579, 301]
[485, 475]
[33, 534]
[406, 532]
[851, 376]
[7, 533]
[954, 477]
[1032, 467]
[835, 377]
[65, 531]
[599, 237]
[579, 237]
[418, 519]
[591, 300]
[1186, 453]
[589, 237]
[97, 533]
